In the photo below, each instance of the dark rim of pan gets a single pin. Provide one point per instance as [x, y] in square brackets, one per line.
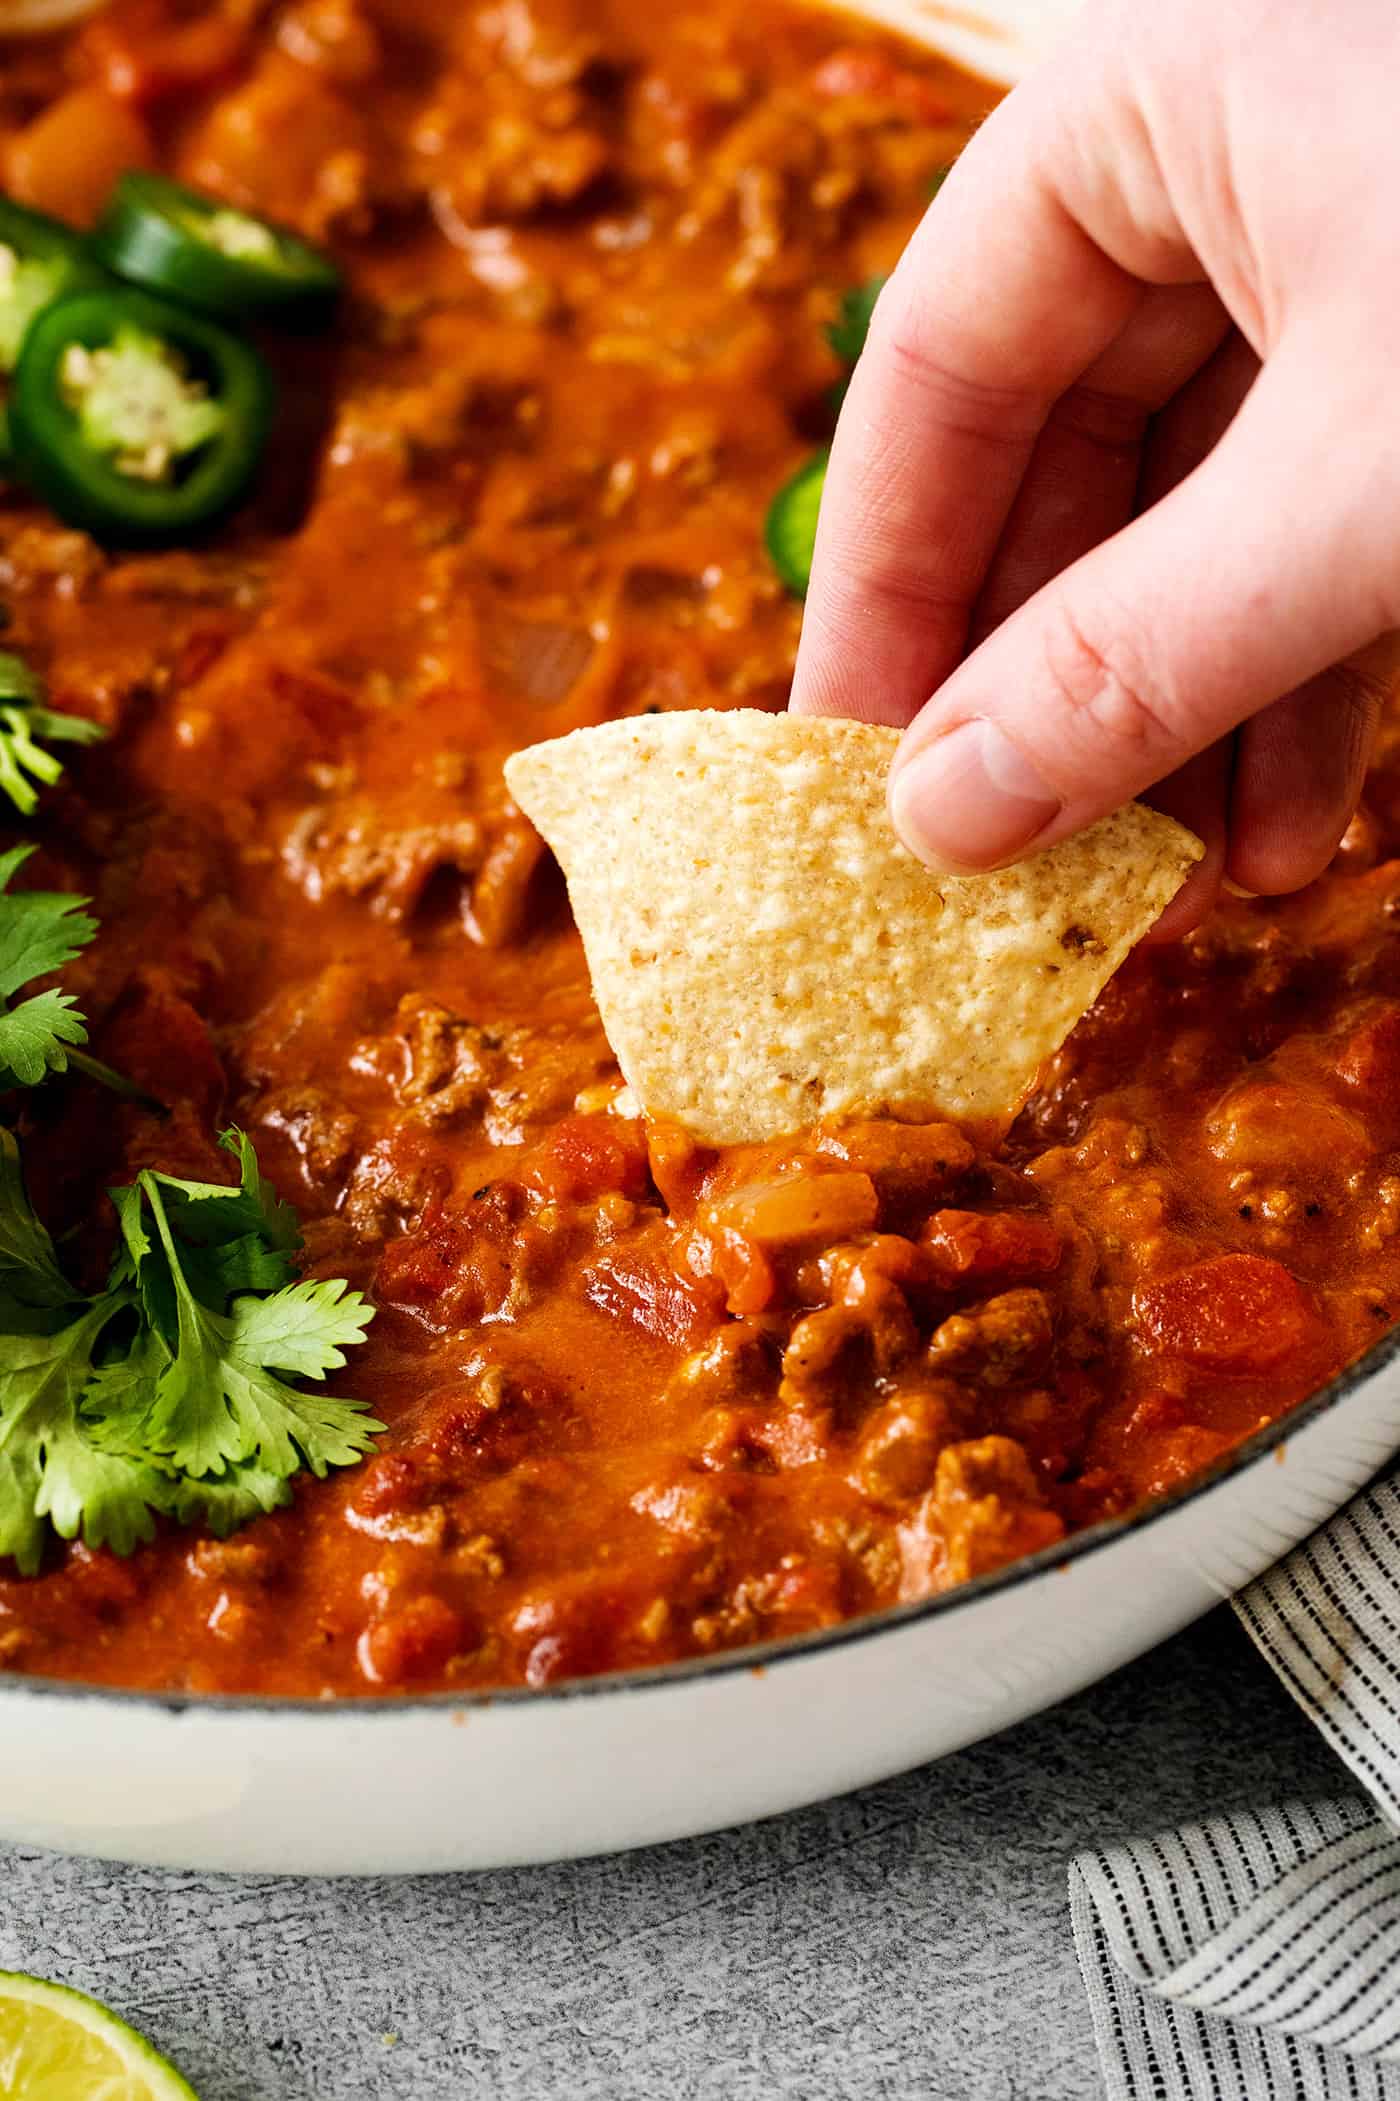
[761, 1656]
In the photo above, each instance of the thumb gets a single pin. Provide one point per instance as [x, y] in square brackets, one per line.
[1266, 565]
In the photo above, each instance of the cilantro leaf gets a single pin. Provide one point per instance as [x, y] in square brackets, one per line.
[225, 1501]
[25, 720]
[117, 1394]
[223, 1212]
[220, 1398]
[40, 931]
[302, 1329]
[170, 1394]
[49, 1465]
[33, 1037]
[41, 1377]
[232, 1239]
[110, 1497]
[276, 1221]
[218, 1395]
[30, 1277]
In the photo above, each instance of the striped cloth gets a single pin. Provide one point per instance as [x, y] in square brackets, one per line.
[1256, 1957]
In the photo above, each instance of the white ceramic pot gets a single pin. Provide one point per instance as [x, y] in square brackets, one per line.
[369, 1786]
[363, 1787]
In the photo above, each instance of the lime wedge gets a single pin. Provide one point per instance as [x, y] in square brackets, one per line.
[59, 2045]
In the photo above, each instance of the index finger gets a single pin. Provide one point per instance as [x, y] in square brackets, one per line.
[1000, 302]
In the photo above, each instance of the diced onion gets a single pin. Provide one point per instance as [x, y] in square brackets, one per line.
[800, 1208]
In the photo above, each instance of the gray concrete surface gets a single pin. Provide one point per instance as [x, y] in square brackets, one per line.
[911, 1941]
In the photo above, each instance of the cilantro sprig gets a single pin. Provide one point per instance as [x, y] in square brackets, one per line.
[27, 725]
[172, 1390]
[40, 931]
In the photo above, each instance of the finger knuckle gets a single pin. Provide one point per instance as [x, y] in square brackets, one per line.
[1103, 420]
[1104, 691]
[911, 590]
[961, 404]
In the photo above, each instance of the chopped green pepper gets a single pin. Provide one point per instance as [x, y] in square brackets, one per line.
[135, 420]
[791, 530]
[193, 249]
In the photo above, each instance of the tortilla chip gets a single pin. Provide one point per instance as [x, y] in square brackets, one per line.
[764, 951]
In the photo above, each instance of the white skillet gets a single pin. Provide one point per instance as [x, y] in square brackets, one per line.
[384, 1786]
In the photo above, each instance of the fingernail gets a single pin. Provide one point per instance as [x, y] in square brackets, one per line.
[969, 801]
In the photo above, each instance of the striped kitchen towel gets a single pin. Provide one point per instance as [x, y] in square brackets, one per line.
[1256, 1957]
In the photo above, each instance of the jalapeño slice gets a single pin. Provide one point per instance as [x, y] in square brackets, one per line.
[40, 260]
[791, 530]
[135, 420]
[205, 254]
[847, 333]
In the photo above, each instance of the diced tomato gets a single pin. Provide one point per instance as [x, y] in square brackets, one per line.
[141, 55]
[679, 1164]
[393, 1484]
[1368, 1064]
[979, 1247]
[266, 142]
[199, 653]
[583, 1624]
[633, 1287]
[328, 709]
[417, 1268]
[450, 1267]
[874, 77]
[748, 1275]
[416, 1639]
[105, 1585]
[1238, 1314]
[588, 1156]
[1278, 1128]
[155, 1036]
[67, 160]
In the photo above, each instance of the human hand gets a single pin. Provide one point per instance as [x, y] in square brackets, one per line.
[1117, 478]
